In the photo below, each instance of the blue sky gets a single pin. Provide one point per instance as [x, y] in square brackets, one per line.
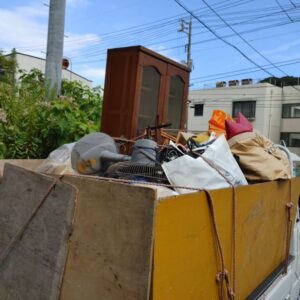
[94, 26]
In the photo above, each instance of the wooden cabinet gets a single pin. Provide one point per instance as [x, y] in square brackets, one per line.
[142, 88]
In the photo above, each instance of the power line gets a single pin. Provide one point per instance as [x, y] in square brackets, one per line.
[222, 39]
[194, 43]
[241, 37]
[157, 34]
[157, 23]
[197, 33]
[257, 39]
[173, 19]
[285, 62]
[293, 4]
[284, 10]
[95, 49]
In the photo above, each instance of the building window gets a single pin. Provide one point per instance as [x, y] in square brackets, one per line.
[198, 110]
[247, 108]
[291, 139]
[291, 110]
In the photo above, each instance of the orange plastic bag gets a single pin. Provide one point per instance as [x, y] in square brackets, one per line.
[217, 122]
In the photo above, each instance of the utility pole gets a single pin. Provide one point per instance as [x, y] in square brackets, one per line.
[55, 44]
[186, 27]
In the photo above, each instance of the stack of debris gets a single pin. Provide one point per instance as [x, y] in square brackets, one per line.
[229, 154]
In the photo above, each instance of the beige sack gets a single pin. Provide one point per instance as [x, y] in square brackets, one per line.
[259, 159]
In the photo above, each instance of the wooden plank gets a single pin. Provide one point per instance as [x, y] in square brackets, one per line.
[30, 164]
[110, 253]
[185, 258]
[34, 265]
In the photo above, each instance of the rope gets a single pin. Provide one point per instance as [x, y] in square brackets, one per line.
[129, 181]
[223, 275]
[20, 233]
[234, 239]
[289, 207]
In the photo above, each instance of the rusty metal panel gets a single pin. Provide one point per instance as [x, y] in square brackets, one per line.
[186, 261]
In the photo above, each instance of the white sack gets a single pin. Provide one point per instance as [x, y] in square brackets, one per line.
[186, 171]
[219, 154]
[58, 161]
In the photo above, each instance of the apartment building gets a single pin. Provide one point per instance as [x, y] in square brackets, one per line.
[28, 62]
[274, 111]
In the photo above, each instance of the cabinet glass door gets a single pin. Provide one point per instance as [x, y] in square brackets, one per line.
[149, 98]
[174, 111]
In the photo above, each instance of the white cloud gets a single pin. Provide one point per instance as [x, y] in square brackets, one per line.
[275, 54]
[283, 47]
[76, 42]
[19, 29]
[25, 28]
[37, 9]
[97, 74]
[163, 50]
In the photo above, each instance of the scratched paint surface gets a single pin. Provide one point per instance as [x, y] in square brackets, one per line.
[185, 256]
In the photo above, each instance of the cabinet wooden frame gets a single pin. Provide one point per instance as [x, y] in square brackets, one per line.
[122, 90]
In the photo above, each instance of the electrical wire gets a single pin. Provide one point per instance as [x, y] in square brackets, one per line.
[222, 39]
[240, 73]
[284, 10]
[295, 60]
[194, 34]
[193, 43]
[242, 38]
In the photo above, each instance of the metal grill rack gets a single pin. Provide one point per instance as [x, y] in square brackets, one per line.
[142, 172]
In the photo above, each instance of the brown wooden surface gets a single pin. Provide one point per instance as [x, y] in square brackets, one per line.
[184, 76]
[122, 89]
[149, 53]
[34, 266]
[30, 164]
[146, 60]
[110, 253]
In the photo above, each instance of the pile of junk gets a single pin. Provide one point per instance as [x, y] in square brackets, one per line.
[231, 153]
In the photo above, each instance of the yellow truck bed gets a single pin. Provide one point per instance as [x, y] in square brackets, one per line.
[129, 244]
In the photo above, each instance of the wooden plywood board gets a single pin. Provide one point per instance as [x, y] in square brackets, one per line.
[110, 253]
[34, 265]
[30, 164]
[185, 258]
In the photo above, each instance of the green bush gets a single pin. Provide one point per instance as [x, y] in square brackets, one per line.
[31, 127]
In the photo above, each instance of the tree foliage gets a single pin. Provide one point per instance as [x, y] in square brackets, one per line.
[8, 67]
[282, 81]
[31, 127]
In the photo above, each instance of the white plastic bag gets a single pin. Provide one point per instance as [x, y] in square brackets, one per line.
[186, 171]
[219, 154]
[58, 161]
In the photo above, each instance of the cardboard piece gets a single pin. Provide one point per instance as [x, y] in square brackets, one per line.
[34, 265]
[110, 253]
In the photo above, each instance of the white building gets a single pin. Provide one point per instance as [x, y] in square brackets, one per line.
[28, 62]
[273, 111]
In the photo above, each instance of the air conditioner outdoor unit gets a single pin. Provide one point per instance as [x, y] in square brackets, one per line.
[247, 81]
[233, 82]
[220, 84]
